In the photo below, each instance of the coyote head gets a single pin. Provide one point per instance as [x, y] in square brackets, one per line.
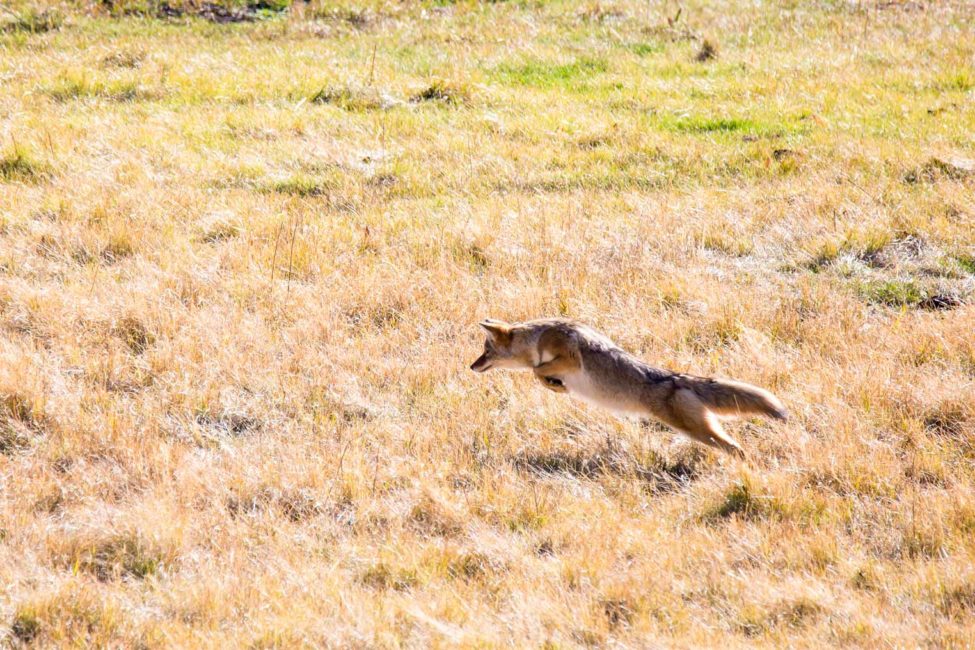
[498, 351]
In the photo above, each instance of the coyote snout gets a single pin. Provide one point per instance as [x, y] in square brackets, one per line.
[568, 357]
[481, 364]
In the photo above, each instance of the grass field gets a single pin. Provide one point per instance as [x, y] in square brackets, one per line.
[243, 253]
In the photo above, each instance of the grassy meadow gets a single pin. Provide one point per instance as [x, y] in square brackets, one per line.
[244, 249]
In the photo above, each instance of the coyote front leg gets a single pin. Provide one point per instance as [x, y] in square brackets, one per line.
[548, 373]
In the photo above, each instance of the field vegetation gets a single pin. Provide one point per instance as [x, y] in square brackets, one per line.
[244, 249]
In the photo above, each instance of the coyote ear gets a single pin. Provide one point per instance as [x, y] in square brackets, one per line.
[495, 328]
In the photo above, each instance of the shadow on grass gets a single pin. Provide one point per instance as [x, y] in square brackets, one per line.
[660, 475]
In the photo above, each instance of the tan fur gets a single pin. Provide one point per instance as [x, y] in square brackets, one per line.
[568, 357]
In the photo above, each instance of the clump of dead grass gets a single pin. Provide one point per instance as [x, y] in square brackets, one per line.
[351, 97]
[112, 556]
[20, 165]
[32, 20]
[707, 52]
[442, 91]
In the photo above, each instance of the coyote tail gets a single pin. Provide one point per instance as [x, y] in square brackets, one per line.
[726, 397]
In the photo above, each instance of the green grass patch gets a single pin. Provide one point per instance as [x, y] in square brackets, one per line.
[955, 81]
[646, 48]
[32, 20]
[693, 124]
[966, 262]
[913, 295]
[217, 11]
[382, 576]
[19, 416]
[298, 185]
[544, 74]
[74, 617]
[958, 601]
[443, 92]
[790, 614]
[25, 626]
[354, 98]
[73, 86]
[739, 500]
[893, 293]
[867, 246]
[727, 125]
[727, 243]
[572, 182]
[823, 255]
[19, 165]
[743, 501]
[116, 556]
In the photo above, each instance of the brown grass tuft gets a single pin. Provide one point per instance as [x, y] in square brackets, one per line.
[707, 52]
[111, 556]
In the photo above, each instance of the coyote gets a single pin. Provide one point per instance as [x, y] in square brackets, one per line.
[568, 357]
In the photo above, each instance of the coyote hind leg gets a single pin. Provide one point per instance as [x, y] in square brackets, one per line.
[695, 420]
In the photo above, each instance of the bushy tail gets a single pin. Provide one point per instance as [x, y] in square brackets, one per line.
[736, 398]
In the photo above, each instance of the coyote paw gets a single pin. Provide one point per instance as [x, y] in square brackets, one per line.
[554, 384]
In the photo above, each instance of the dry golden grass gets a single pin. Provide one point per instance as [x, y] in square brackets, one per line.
[240, 271]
